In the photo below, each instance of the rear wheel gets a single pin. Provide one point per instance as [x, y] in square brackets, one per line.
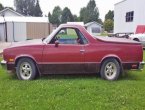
[110, 69]
[26, 69]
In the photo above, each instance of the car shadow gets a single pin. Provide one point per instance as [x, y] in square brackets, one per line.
[60, 76]
[125, 76]
[69, 76]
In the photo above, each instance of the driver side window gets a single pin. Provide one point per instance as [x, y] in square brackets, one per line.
[66, 36]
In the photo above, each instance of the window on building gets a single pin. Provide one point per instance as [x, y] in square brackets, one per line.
[129, 16]
[96, 30]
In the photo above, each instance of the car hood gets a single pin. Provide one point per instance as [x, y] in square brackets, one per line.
[117, 40]
[26, 43]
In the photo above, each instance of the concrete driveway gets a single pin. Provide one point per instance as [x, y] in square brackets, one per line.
[4, 45]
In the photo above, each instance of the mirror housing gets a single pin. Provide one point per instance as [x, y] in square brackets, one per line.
[43, 38]
[62, 32]
[56, 43]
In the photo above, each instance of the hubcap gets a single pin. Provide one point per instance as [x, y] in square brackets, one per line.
[25, 70]
[110, 70]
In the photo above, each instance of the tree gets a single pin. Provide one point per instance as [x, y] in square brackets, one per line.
[10, 8]
[90, 12]
[109, 21]
[108, 25]
[110, 15]
[93, 11]
[37, 11]
[100, 21]
[55, 18]
[49, 17]
[28, 7]
[66, 15]
[1, 7]
[75, 18]
[24, 6]
[83, 14]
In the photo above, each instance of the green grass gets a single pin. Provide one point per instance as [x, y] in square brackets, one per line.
[73, 92]
[103, 34]
[68, 36]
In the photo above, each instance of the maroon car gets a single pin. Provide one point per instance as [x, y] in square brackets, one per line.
[70, 49]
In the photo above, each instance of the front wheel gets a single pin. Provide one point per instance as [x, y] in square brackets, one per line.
[110, 69]
[26, 69]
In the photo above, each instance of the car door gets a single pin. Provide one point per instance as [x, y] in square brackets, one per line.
[64, 53]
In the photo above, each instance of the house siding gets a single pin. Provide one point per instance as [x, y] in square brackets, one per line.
[9, 13]
[16, 31]
[120, 24]
[38, 30]
[2, 32]
[89, 28]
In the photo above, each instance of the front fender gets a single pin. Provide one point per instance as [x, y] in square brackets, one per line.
[24, 56]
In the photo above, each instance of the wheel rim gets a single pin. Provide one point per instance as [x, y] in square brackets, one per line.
[25, 70]
[110, 70]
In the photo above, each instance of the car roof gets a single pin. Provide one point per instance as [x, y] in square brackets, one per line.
[71, 26]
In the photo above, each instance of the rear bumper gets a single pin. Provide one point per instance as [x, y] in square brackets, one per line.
[133, 65]
[4, 64]
[141, 65]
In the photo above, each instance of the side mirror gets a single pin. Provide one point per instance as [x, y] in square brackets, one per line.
[43, 39]
[62, 32]
[56, 43]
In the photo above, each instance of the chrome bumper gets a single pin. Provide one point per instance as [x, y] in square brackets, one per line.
[3, 64]
[141, 65]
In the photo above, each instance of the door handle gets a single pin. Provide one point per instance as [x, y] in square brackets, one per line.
[82, 50]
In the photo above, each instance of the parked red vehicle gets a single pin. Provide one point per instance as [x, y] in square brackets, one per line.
[70, 49]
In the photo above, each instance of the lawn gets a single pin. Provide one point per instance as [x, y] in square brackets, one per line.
[73, 92]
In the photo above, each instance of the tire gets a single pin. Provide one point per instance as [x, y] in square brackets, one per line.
[110, 69]
[26, 69]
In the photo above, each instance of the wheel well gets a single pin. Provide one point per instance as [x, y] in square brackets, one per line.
[115, 59]
[16, 62]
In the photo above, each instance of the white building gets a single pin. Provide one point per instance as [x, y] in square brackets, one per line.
[13, 29]
[128, 14]
[16, 27]
[77, 23]
[9, 12]
[94, 28]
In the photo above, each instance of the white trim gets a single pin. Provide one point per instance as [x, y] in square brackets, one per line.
[24, 19]
[57, 63]
[90, 23]
[11, 11]
[120, 2]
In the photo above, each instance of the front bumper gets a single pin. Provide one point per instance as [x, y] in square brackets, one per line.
[3, 64]
[141, 65]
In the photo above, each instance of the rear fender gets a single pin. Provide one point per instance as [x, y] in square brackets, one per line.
[112, 56]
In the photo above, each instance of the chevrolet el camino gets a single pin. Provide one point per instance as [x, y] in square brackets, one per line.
[70, 49]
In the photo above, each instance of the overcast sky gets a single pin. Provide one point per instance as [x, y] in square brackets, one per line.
[75, 5]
